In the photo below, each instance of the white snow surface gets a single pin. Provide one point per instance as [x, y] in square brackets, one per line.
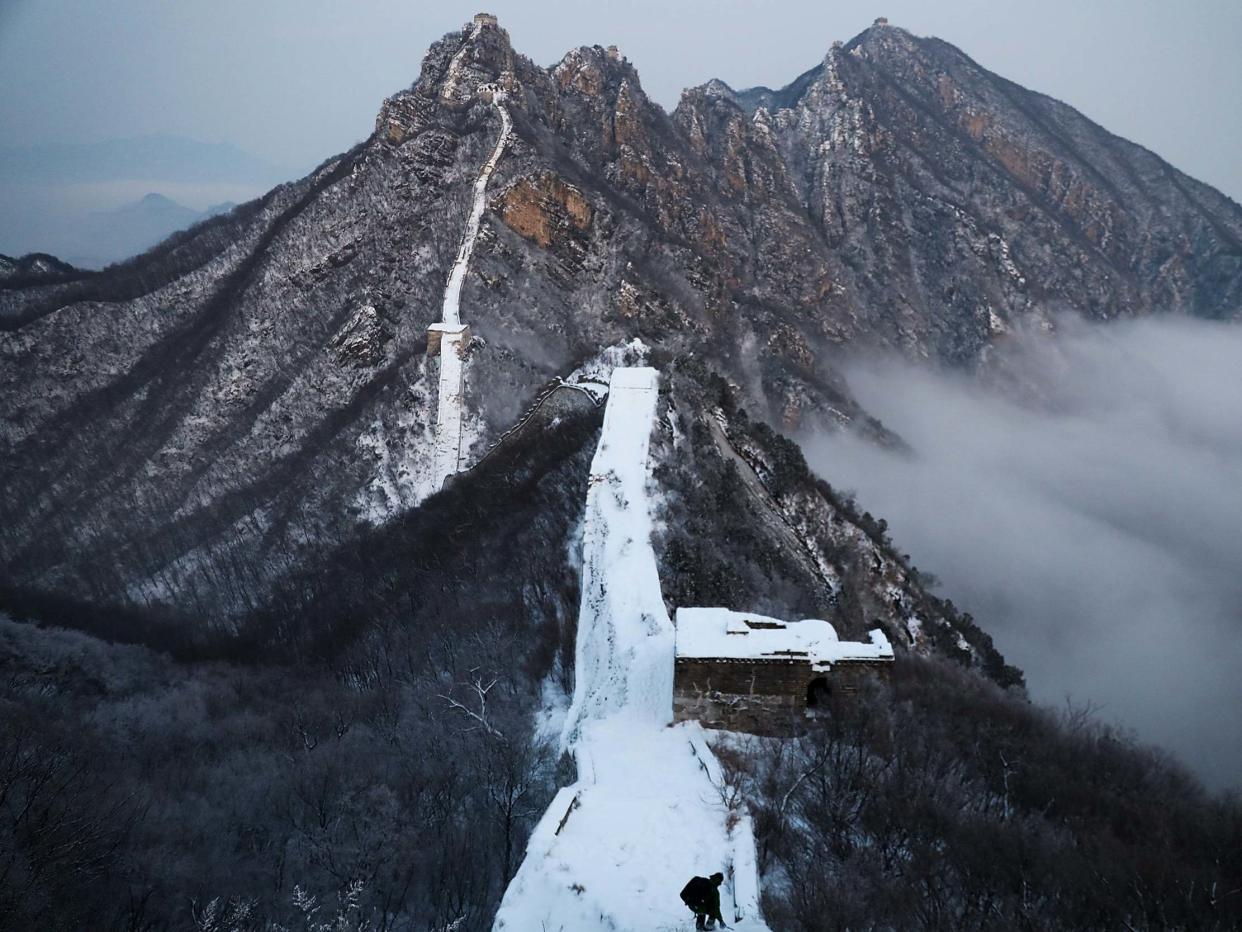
[647, 813]
[596, 372]
[721, 633]
[449, 413]
[451, 314]
[450, 405]
[650, 820]
[624, 654]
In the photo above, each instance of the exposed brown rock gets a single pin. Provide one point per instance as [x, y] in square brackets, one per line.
[542, 207]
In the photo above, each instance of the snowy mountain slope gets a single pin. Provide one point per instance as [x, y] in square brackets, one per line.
[961, 204]
[222, 408]
[742, 521]
[941, 801]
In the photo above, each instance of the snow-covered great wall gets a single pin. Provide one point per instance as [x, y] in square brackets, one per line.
[453, 336]
[450, 314]
[648, 811]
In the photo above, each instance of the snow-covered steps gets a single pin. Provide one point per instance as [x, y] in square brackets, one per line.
[615, 854]
[624, 652]
[453, 339]
[648, 811]
[449, 337]
[451, 311]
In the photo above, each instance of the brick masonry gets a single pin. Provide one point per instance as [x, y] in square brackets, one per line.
[760, 696]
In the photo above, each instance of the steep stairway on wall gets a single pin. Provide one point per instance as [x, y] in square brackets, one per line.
[452, 336]
[648, 812]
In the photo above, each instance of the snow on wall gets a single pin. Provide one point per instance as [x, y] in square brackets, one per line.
[745, 867]
[648, 811]
[721, 633]
[451, 311]
[449, 406]
[598, 370]
[454, 337]
[624, 653]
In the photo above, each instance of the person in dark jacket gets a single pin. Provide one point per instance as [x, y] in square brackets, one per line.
[702, 895]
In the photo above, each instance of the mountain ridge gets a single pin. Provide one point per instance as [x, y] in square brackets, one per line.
[206, 381]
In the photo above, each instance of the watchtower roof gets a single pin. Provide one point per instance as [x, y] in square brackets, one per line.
[721, 634]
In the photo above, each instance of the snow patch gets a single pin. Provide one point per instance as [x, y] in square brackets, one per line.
[725, 634]
[914, 628]
[594, 374]
[403, 456]
[553, 708]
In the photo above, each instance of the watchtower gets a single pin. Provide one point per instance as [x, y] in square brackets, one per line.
[747, 672]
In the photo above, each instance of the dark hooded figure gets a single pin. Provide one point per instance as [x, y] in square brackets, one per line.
[702, 895]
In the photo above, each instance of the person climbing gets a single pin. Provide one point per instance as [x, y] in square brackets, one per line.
[702, 895]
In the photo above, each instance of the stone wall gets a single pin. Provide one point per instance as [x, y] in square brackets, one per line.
[450, 404]
[557, 399]
[847, 678]
[763, 697]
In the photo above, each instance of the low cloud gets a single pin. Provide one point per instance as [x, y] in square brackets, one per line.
[1086, 507]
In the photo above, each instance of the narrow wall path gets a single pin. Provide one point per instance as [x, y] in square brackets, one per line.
[647, 813]
[453, 336]
[450, 314]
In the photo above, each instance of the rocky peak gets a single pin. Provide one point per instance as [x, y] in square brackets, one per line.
[716, 88]
[596, 72]
[879, 36]
[483, 56]
[453, 71]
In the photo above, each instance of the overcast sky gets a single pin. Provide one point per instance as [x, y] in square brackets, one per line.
[295, 81]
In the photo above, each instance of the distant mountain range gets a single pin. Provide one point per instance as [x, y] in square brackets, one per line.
[87, 202]
[102, 237]
[137, 226]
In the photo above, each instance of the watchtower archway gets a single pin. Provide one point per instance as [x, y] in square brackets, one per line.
[818, 692]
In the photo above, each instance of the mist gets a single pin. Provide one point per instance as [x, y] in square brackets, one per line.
[1083, 500]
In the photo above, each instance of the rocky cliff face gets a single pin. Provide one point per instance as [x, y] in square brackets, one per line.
[959, 203]
[182, 430]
